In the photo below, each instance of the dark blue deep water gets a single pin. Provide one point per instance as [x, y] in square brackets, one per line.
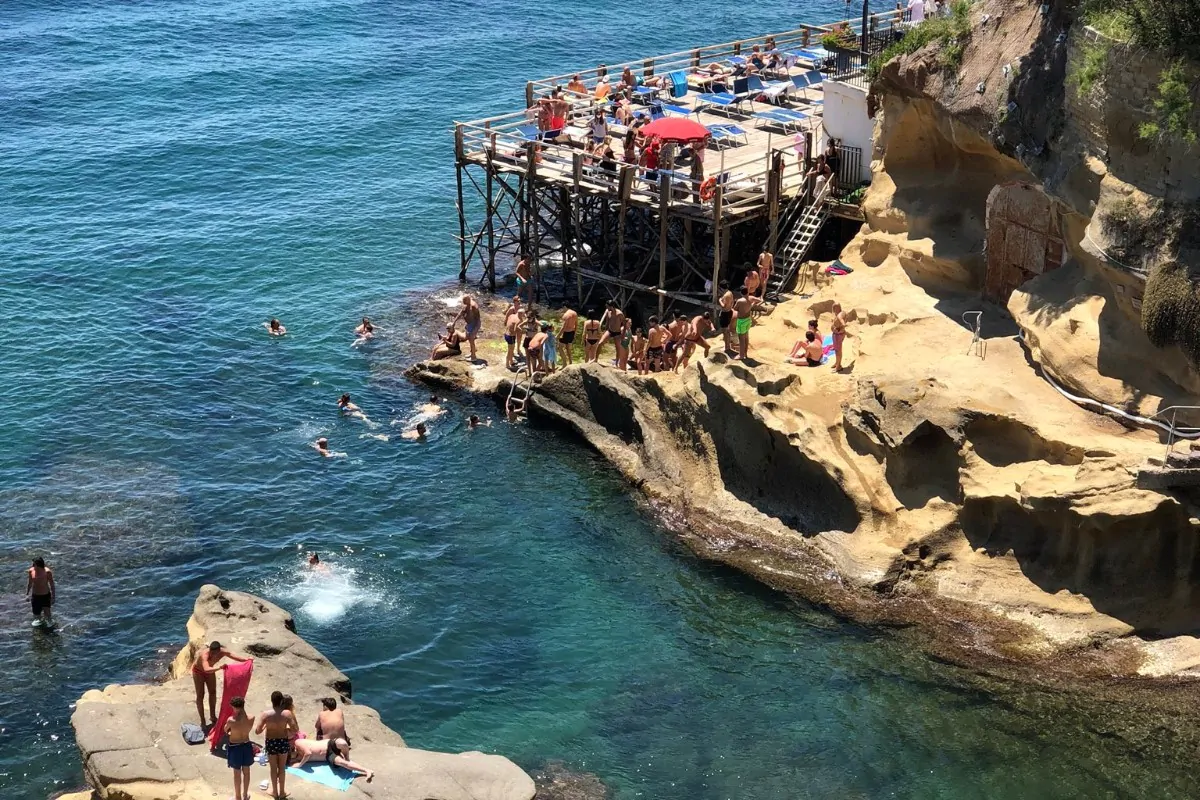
[171, 173]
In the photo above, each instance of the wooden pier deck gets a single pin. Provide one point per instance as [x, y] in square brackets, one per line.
[540, 194]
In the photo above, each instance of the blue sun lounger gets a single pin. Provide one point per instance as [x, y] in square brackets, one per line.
[726, 134]
[740, 94]
[786, 118]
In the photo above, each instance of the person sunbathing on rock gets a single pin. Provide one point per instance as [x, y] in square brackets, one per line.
[449, 344]
[334, 752]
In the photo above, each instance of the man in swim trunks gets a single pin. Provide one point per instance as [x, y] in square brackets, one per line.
[512, 328]
[744, 308]
[40, 591]
[674, 344]
[591, 339]
[613, 321]
[766, 262]
[335, 752]
[204, 676]
[725, 315]
[701, 324]
[278, 724]
[752, 283]
[839, 335]
[655, 336]
[239, 752]
[523, 278]
[566, 335]
[471, 315]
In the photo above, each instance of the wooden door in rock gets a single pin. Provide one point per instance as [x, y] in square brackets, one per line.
[1024, 238]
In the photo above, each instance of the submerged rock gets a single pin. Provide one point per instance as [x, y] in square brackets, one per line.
[131, 746]
[556, 782]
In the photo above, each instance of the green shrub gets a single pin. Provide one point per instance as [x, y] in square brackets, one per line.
[1167, 26]
[948, 31]
[1171, 309]
[1173, 108]
[1093, 64]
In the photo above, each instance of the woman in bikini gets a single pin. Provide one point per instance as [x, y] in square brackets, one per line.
[839, 335]
[204, 676]
[591, 339]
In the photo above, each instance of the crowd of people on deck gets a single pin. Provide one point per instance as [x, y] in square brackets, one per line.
[284, 743]
[538, 345]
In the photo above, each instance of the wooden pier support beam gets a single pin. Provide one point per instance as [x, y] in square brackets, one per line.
[491, 222]
[459, 162]
[664, 219]
[718, 202]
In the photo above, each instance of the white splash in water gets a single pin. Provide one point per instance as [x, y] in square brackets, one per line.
[326, 595]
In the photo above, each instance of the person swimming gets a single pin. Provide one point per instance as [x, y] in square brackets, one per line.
[364, 333]
[475, 422]
[275, 327]
[349, 409]
[322, 447]
[416, 434]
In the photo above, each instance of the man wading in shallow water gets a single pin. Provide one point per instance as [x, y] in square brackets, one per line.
[40, 591]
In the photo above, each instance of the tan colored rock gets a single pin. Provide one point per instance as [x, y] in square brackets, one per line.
[129, 736]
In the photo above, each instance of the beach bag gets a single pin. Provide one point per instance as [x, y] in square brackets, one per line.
[192, 733]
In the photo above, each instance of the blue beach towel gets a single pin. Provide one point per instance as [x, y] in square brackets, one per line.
[827, 343]
[324, 775]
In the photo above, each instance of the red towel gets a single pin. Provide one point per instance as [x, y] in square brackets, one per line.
[237, 681]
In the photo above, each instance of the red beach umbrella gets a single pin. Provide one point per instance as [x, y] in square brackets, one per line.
[678, 129]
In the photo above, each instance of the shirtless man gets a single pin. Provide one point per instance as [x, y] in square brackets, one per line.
[431, 408]
[322, 447]
[335, 752]
[655, 338]
[278, 724]
[471, 315]
[613, 322]
[204, 676]
[331, 723]
[566, 335]
[701, 324]
[275, 327]
[744, 308]
[839, 335]
[523, 278]
[676, 333]
[534, 362]
[637, 351]
[766, 262]
[40, 591]
[725, 316]
[591, 340]
[474, 422]
[576, 86]
[314, 563]
[752, 283]
[239, 752]
[512, 329]
[808, 351]
[417, 433]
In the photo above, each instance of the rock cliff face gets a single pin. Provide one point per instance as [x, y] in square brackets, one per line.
[131, 746]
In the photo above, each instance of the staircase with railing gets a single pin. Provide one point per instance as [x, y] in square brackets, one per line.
[800, 223]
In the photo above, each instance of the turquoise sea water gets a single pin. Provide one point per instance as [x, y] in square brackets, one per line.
[170, 175]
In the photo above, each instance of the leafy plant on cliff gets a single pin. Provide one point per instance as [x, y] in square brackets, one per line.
[1135, 230]
[948, 31]
[1091, 68]
[1167, 26]
[1173, 108]
[1171, 309]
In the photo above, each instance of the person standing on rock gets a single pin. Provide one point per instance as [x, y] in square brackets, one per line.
[566, 335]
[744, 308]
[204, 676]
[239, 752]
[278, 725]
[471, 315]
[766, 262]
[839, 335]
[725, 316]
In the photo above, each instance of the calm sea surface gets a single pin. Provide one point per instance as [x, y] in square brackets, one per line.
[171, 173]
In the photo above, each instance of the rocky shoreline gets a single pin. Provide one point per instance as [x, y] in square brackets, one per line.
[131, 748]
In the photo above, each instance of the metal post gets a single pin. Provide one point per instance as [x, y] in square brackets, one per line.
[664, 201]
[718, 201]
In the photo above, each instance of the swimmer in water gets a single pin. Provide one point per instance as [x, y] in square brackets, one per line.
[348, 409]
[475, 422]
[365, 332]
[417, 433]
[322, 446]
[433, 408]
[275, 327]
[315, 563]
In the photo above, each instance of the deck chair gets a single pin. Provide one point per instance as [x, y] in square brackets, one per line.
[726, 134]
[807, 81]
[740, 94]
[679, 111]
[785, 118]
[529, 133]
